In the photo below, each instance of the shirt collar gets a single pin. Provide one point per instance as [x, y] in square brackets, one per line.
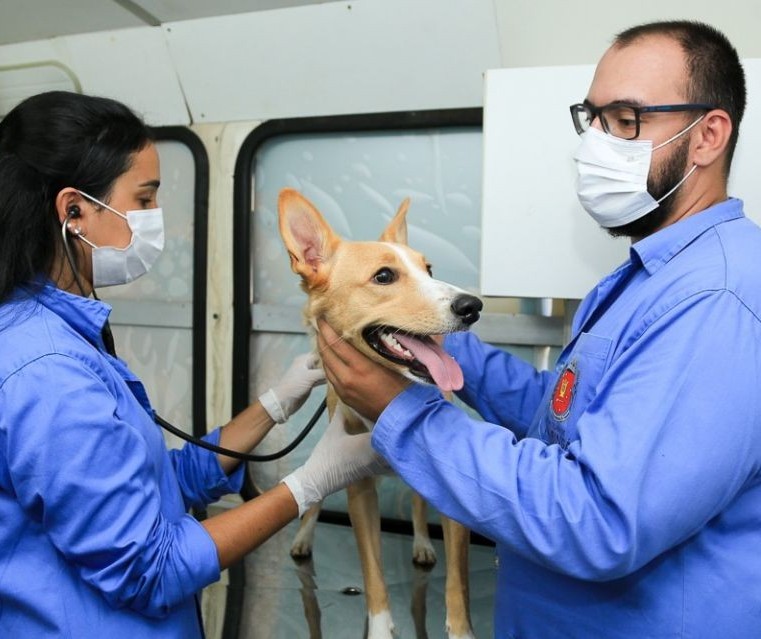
[659, 248]
[86, 316]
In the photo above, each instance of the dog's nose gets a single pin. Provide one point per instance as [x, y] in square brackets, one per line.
[467, 308]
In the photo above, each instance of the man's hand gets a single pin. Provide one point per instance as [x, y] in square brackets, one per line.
[361, 383]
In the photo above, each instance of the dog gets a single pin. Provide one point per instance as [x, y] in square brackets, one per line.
[381, 298]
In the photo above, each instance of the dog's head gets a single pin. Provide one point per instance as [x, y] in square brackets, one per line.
[378, 296]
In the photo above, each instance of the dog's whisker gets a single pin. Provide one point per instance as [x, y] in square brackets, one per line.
[333, 342]
[415, 333]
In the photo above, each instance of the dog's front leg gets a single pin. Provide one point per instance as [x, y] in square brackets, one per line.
[423, 553]
[301, 548]
[456, 546]
[365, 519]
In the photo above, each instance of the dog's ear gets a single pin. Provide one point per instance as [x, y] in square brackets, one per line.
[307, 236]
[396, 231]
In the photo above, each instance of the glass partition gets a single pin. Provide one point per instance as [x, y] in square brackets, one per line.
[158, 320]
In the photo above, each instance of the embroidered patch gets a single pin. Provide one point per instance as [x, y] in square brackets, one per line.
[562, 397]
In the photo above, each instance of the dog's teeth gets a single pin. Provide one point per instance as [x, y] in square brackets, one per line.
[390, 341]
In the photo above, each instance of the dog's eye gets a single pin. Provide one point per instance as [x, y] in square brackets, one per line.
[384, 276]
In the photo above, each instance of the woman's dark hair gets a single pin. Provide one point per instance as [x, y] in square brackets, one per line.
[714, 72]
[49, 142]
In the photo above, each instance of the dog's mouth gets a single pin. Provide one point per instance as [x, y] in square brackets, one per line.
[422, 356]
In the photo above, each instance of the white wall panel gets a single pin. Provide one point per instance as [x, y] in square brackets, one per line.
[131, 65]
[551, 32]
[336, 58]
[744, 177]
[21, 82]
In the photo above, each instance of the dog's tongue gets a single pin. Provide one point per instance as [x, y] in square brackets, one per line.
[446, 372]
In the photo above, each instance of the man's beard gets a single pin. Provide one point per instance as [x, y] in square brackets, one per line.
[658, 184]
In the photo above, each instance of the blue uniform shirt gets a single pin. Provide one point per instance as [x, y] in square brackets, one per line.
[94, 533]
[623, 489]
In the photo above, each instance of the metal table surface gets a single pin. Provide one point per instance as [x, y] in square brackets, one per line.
[284, 599]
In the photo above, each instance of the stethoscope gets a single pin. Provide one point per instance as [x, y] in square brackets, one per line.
[108, 341]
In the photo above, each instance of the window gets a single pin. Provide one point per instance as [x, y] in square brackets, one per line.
[158, 320]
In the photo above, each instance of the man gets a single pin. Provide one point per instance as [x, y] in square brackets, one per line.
[623, 489]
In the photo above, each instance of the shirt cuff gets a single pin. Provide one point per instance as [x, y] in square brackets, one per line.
[225, 483]
[401, 413]
[200, 563]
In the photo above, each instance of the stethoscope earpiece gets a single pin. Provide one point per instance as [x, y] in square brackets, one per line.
[74, 230]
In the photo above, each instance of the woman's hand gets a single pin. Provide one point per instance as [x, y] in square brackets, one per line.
[338, 459]
[290, 393]
[251, 425]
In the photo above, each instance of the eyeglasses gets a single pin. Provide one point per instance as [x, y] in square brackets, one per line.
[623, 120]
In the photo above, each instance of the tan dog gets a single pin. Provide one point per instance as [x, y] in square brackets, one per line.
[381, 298]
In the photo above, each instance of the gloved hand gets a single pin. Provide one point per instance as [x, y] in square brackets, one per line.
[290, 393]
[338, 460]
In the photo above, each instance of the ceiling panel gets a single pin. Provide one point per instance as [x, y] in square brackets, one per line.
[176, 10]
[25, 20]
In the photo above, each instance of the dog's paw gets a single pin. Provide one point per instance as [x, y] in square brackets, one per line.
[381, 626]
[301, 550]
[423, 553]
[464, 632]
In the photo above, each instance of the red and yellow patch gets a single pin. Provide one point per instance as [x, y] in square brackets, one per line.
[562, 397]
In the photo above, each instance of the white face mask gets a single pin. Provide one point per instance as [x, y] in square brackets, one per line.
[612, 176]
[112, 266]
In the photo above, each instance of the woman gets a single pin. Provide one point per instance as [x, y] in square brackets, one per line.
[95, 536]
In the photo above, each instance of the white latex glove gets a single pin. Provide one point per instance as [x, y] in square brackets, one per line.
[290, 393]
[338, 460]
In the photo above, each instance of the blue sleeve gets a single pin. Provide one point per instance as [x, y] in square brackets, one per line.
[501, 387]
[93, 482]
[675, 421]
[201, 478]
